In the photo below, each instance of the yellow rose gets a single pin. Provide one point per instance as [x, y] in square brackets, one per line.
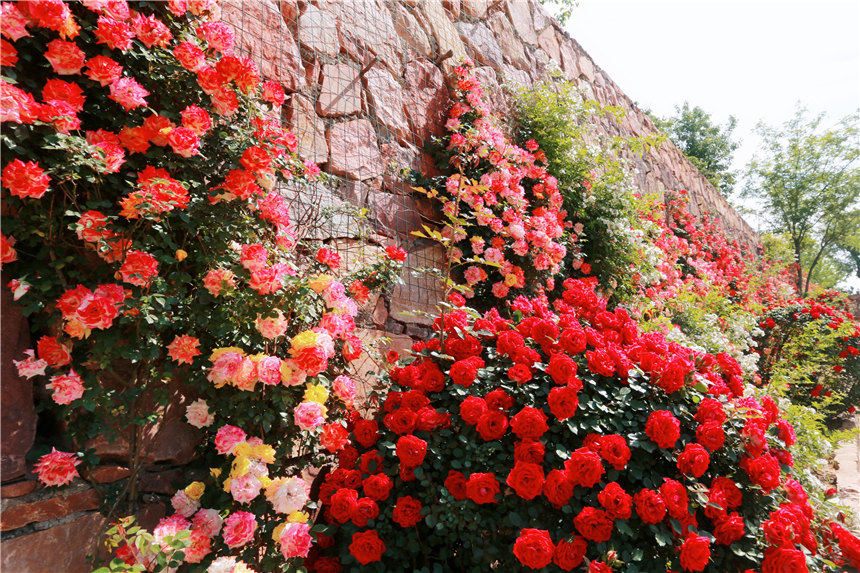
[276, 534]
[255, 358]
[241, 567]
[304, 339]
[180, 255]
[298, 517]
[243, 449]
[219, 351]
[195, 489]
[511, 280]
[319, 283]
[316, 394]
[215, 472]
[265, 481]
[264, 452]
[227, 483]
[241, 465]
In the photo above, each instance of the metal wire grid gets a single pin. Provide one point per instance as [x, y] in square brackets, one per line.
[346, 70]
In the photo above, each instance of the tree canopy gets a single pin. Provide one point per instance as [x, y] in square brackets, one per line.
[708, 145]
[806, 183]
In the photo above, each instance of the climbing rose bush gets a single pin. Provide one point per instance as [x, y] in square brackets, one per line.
[147, 232]
[566, 438]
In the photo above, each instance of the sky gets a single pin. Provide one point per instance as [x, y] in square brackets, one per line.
[753, 59]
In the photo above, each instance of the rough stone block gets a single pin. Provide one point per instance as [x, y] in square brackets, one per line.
[317, 213]
[385, 97]
[110, 474]
[394, 215]
[447, 37]
[413, 34]
[354, 150]
[308, 128]
[483, 44]
[21, 514]
[371, 339]
[162, 482]
[521, 16]
[17, 489]
[18, 416]
[340, 94]
[549, 43]
[476, 8]
[318, 32]
[368, 25]
[61, 548]
[508, 41]
[419, 293]
[428, 99]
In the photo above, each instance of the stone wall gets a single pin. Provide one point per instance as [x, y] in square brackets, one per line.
[368, 85]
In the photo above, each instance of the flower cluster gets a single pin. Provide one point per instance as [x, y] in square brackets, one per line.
[563, 435]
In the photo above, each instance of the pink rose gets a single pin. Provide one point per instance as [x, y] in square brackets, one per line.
[295, 540]
[344, 388]
[184, 505]
[57, 468]
[67, 388]
[30, 367]
[198, 414]
[239, 529]
[269, 370]
[245, 488]
[208, 522]
[227, 438]
[309, 415]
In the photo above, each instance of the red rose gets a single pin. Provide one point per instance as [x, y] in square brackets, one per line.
[529, 423]
[617, 502]
[695, 553]
[649, 506]
[347, 457]
[529, 451]
[364, 509]
[370, 463]
[710, 410]
[463, 372]
[327, 565]
[520, 373]
[407, 512]
[401, 422]
[558, 488]
[694, 460]
[395, 253]
[377, 487]
[492, 425]
[366, 432]
[600, 362]
[594, 524]
[414, 400]
[563, 402]
[584, 467]
[510, 342]
[733, 494]
[432, 379]
[597, 566]
[366, 547]
[482, 488]
[429, 419]
[663, 428]
[711, 435]
[138, 268]
[472, 408]
[545, 332]
[463, 348]
[526, 479]
[52, 352]
[573, 340]
[534, 548]
[455, 483]
[674, 374]
[498, 399]
[764, 471]
[343, 503]
[562, 369]
[674, 495]
[570, 555]
[353, 479]
[592, 442]
[411, 451]
[614, 450]
[784, 560]
[729, 529]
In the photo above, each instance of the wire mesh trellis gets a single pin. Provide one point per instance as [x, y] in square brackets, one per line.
[362, 101]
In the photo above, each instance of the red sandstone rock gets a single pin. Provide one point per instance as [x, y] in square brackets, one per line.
[422, 292]
[447, 38]
[110, 474]
[367, 24]
[18, 416]
[17, 489]
[476, 8]
[521, 16]
[354, 150]
[340, 94]
[428, 95]
[453, 9]
[411, 31]
[508, 41]
[483, 44]
[19, 515]
[386, 100]
[380, 313]
[60, 549]
[549, 43]
[394, 215]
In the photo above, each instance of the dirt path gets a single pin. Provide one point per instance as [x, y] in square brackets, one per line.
[848, 474]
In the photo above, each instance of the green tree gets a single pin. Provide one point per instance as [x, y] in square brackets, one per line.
[806, 184]
[709, 146]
